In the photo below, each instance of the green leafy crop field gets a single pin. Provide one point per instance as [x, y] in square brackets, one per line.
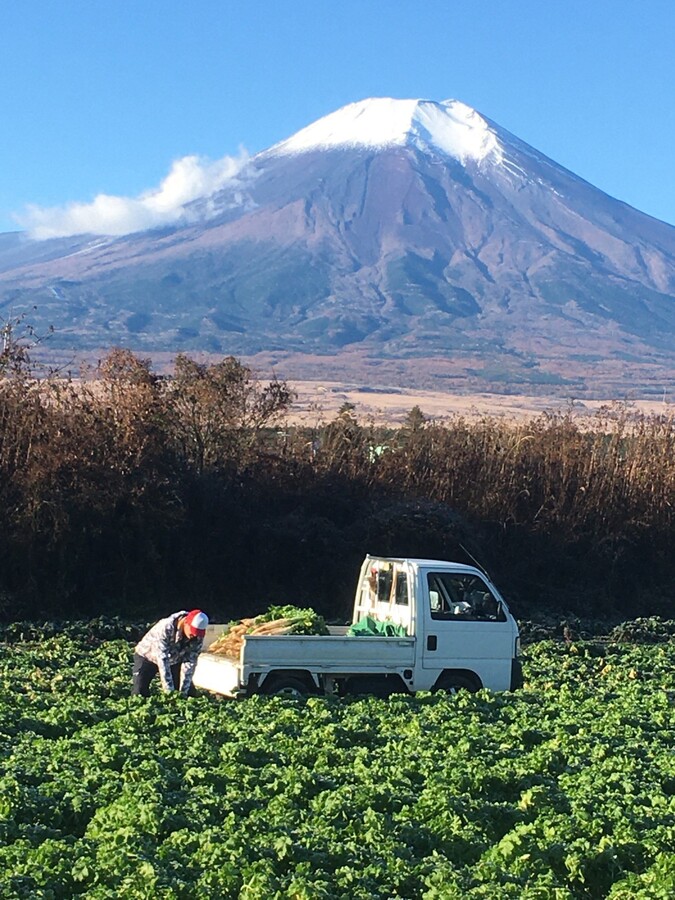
[564, 789]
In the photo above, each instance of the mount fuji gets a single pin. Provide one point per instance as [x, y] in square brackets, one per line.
[393, 241]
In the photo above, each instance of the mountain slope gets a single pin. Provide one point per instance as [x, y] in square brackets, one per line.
[413, 239]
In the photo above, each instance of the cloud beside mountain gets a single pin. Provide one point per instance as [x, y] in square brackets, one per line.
[190, 178]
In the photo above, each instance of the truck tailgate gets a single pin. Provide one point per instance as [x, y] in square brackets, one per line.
[217, 673]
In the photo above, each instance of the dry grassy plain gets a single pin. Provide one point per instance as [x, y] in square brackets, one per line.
[319, 401]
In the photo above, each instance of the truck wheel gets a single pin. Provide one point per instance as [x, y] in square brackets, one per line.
[286, 686]
[451, 684]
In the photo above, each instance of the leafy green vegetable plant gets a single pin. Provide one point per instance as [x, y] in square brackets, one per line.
[565, 789]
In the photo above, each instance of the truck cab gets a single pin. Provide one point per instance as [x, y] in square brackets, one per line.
[466, 636]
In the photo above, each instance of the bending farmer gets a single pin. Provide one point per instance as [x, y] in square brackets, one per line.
[171, 647]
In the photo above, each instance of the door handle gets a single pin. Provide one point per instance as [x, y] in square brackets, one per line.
[432, 642]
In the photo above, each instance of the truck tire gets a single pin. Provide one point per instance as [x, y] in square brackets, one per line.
[452, 682]
[287, 686]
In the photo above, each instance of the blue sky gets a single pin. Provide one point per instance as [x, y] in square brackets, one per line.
[103, 96]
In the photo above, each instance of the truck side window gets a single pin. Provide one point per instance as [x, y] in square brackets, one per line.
[462, 597]
[401, 594]
[439, 599]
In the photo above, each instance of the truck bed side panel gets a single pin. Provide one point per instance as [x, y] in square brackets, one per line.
[327, 653]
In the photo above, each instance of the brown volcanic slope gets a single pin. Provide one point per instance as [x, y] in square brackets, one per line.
[402, 263]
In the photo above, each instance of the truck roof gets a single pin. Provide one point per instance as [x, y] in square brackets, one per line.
[426, 563]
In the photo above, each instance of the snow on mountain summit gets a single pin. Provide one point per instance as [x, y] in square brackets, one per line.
[450, 127]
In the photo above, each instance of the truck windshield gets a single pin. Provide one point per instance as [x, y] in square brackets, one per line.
[459, 596]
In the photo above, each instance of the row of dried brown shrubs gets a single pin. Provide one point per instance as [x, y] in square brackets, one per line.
[122, 491]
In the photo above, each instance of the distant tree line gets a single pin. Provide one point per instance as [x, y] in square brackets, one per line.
[126, 493]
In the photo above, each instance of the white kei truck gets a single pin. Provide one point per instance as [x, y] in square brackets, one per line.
[456, 632]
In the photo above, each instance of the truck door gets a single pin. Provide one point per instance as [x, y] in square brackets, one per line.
[466, 627]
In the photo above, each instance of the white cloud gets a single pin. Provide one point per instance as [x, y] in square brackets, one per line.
[190, 178]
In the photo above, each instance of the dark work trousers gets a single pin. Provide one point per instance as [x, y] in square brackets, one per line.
[145, 671]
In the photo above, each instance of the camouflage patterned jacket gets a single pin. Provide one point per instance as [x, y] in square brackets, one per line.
[166, 646]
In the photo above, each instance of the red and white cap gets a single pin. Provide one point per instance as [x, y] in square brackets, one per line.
[197, 621]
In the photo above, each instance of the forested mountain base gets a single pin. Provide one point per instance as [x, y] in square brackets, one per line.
[125, 493]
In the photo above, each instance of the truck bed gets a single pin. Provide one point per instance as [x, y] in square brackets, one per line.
[333, 654]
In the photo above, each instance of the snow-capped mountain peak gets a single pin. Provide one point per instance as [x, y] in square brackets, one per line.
[402, 239]
[450, 127]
